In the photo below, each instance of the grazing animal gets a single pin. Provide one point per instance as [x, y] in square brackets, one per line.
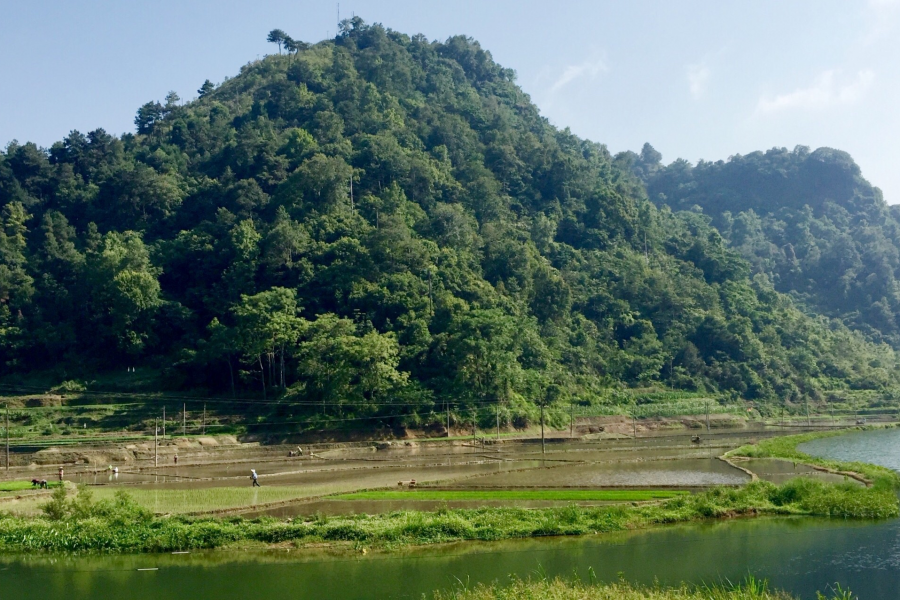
[695, 439]
[40, 483]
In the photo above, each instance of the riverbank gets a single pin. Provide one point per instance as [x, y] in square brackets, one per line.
[558, 589]
[122, 525]
[785, 448]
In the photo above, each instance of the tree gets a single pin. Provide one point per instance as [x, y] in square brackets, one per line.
[16, 285]
[222, 344]
[124, 293]
[268, 326]
[147, 116]
[277, 36]
[336, 365]
[172, 100]
[206, 88]
[295, 46]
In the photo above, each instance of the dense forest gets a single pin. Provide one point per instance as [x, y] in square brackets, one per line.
[381, 219]
[808, 220]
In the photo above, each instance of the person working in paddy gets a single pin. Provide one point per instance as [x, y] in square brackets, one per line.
[254, 477]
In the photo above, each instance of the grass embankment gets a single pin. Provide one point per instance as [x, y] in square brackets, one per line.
[786, 448]
[547, 495]
[122, 525]
[558, 589]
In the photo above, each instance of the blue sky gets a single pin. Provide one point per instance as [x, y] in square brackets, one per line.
[698, 80]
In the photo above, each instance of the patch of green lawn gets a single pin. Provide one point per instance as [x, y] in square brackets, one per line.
[563, 495]
[19, 486]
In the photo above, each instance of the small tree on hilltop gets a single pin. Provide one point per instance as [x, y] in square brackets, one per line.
[206, 88]
[277, 36]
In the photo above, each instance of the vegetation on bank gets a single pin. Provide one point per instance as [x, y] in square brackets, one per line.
[122, 525]
[559, 589]
[785, 447]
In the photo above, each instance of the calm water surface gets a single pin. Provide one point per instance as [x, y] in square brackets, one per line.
[799, 555]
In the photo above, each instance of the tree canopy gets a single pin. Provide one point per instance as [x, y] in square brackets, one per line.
[386, 218]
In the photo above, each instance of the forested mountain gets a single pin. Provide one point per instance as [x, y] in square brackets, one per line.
[381, 219]
[808, 220]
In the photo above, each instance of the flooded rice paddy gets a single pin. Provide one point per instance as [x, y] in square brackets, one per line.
[797, 554]
[666, 462]
[304, 483]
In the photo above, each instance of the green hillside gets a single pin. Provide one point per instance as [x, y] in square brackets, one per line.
[386, 223]
[808, 220]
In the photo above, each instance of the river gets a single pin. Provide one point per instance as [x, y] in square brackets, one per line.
[798, 555]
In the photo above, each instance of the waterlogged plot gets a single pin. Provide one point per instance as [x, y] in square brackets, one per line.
[779, 471]
[547, 495]
[687, 472]
[207, 499]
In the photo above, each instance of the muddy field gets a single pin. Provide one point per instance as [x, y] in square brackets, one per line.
[213, 475]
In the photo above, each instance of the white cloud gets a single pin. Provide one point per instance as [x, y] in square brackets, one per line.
[698, 80]
[826, 92]
[590, 68]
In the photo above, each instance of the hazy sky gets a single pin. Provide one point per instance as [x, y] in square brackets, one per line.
[695, 79]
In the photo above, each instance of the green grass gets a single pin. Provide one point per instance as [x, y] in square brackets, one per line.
[558, 589]
[558, 495]
[20, 486]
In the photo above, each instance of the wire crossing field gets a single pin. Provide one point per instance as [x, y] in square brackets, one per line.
[559, 495]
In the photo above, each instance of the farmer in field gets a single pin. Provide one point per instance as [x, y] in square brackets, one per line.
[61, 473]
[255, 478]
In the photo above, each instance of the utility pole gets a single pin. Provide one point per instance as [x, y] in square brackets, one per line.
[204, 418]
[572, 419]
[498, 421]
[832, 414]
[7, 437]
[782, 418]
[184, 420]
[808, 424]
[543, 446]
[447, 405]
[474, 431]
[164, 422]
[633, 426]
[156, 442]
[707, 416]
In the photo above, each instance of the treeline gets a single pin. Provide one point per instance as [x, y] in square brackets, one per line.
[381, 219]
[808, 220]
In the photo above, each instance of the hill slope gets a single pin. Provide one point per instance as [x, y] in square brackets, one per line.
[381, 221]
[806, 219]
